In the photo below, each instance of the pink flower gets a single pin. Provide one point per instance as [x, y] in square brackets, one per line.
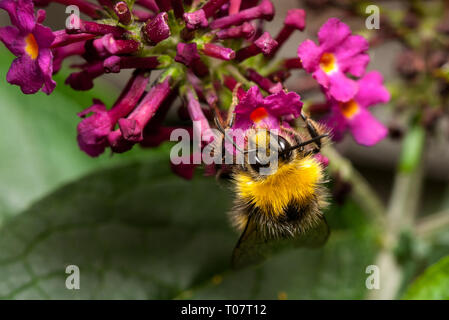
[354, 116]
[30, 42]
[256, 111]
[339, 53]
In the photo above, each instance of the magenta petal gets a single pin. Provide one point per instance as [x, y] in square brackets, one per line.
[341, 88]
[296, 18]
[196, 19]
[310, 55]
[97, 107]
[21, 14]
[43, 35]
[322, 78]
[337, 123]
[25, 73]
[40, 15]
[131, 129]
[93, 150]
[270, 122]
[187, 53]
[357, 65]
[10, 37]
[266, 43]
[10, 6]
[371, 90]
[94, 130]
[366, 129]
[25, 15]
[332, 33]
[252, 99]
[283, 104]
[45, 61]
[351, 55]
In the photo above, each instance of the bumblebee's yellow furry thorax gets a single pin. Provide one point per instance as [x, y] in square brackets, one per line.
[292, 182]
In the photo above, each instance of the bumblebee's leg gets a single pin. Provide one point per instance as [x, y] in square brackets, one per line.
[312, 131]
[223, 159]
[235, 102]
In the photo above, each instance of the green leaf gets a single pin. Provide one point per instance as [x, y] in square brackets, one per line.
[38, 139]
[139, 232]
[135, 232]
[433, 284]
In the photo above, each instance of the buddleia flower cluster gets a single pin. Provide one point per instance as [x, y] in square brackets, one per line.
[208, 53]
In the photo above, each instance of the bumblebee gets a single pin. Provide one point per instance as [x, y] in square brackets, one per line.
[283, 206]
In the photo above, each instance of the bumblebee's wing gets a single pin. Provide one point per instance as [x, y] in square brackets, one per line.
[253, 248]
[315, 237]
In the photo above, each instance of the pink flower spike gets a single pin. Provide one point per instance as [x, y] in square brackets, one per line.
[264, 44]
[265, 10]
[195, 20]
[231, 83]
[295, 20]
[114, 64]
[235, 6]
[212, 6]
[60, 54]
[142, 15]
[149, 4]
[265, 83]
[218, 52]
[338, 53]
[187, 53]
[156, 29]
[245, 30]
[178, 8]
[132, 126]
[83, 80]
[94, 130]
[93, 27]
[107, 45]
[200, 123]
[62, 38]
[91, 9]
[163, 5]
[123, 13]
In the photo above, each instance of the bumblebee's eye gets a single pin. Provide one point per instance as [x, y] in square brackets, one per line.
[284, 145]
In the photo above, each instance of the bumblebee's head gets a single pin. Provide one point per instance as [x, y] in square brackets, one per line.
[268, 150]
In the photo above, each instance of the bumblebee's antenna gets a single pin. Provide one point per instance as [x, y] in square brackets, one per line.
[223, 131]
[317, 138]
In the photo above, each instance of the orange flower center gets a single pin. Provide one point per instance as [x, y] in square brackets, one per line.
[258, 114]
[349, 109]
[328, 62]
[31, 46]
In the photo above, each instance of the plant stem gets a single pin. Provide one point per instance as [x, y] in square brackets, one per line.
[402, 210]
[429, 226]
[362, 192]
